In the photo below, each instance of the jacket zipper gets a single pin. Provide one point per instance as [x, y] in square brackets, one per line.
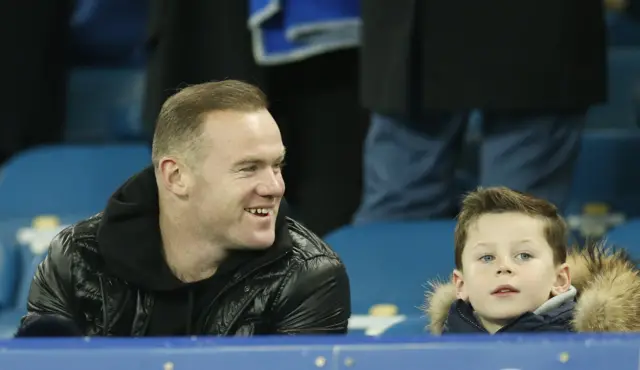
[472, 322]
[479, 327]
[238, 277]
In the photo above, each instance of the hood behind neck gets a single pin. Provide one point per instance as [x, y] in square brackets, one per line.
[130, 242]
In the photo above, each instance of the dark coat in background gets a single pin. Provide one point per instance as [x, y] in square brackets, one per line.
[314, 101]
[493, 55]
[33, 69]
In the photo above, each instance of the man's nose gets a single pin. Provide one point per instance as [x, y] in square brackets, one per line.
[271, 185]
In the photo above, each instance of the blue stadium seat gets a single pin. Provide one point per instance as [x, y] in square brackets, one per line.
[12, 266]
[109, 32]
[606, 171]
[29, 242]
[68, 182]
[9, 261]
[623, 30]
[622, 109]
[390, 263]
[10, 318]
[30, 262]
[105, 105]
[627, 236]
[63, 180]
[414, 325]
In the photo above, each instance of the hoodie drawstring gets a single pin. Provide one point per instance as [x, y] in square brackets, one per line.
[189, 311]
[105, 314]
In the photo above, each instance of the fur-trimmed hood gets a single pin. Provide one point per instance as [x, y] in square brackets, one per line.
[608, 287]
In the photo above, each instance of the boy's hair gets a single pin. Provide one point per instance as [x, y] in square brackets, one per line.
[502, 199]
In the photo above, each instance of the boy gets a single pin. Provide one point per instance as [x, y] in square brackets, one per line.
[513, 274]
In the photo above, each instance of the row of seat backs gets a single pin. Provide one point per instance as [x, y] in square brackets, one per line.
[388, 262]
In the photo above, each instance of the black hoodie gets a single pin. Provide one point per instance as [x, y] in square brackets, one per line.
[130, 242]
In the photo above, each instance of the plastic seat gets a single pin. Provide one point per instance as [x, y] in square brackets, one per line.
[626, 236]
[391, 263]
[105, 104]
[604, 172]
[64, 180]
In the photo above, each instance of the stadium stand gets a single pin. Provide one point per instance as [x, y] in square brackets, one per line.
[41, 191]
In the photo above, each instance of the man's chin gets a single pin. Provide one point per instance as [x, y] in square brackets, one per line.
[260, 241]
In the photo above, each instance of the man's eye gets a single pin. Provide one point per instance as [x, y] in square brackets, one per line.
[250, 169]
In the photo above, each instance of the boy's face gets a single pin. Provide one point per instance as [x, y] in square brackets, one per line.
[508, 268]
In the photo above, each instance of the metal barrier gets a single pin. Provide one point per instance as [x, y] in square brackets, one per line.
[505, 352]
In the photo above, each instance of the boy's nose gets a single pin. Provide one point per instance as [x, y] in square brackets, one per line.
[504, 268]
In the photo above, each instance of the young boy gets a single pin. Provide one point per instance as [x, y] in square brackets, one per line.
[513, 274]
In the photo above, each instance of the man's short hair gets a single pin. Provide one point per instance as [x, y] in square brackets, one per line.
[502, 199]
[178, 128]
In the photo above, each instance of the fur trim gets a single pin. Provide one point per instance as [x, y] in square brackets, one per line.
[609, 290]
[608, 287]
[439, 298]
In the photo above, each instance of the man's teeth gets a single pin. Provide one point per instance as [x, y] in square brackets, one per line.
[259, 211]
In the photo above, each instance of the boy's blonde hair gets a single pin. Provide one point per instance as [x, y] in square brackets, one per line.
[502, 199]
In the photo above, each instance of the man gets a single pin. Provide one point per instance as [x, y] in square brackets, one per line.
[196, 245]
[323, 186]
[533, 67]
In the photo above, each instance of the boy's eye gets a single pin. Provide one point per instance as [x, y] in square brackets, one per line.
[524, 256]
[486, 258]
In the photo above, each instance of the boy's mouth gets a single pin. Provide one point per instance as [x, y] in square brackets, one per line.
[504, 290]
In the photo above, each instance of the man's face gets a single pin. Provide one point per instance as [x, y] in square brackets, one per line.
[238, 185]
[508, 268]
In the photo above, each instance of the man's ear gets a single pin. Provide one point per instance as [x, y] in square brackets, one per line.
[563, 280]
[173, 176]
[458, 281]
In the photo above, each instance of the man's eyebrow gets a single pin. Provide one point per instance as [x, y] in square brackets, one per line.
[282, 155]
[255, 160]
[248, 160]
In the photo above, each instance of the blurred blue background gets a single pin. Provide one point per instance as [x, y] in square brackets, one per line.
[105, 141]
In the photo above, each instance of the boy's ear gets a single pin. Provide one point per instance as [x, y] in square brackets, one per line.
[458, 281]
[563, 280]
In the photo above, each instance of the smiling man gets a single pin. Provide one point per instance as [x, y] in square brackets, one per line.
[197, 244]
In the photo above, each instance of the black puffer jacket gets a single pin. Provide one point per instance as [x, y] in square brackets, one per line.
[105, 272]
